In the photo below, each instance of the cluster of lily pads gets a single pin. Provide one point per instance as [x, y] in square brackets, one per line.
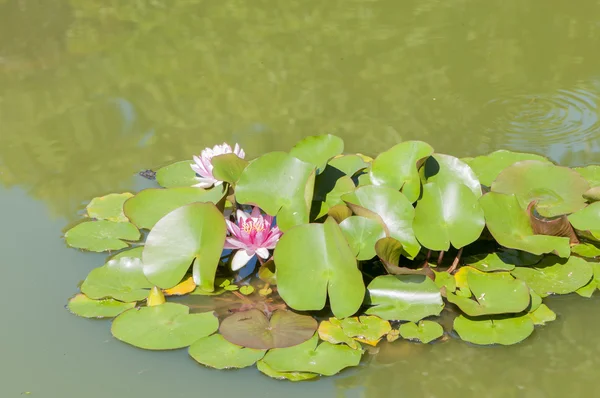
[300, 261]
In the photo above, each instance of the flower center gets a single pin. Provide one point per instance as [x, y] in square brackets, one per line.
[253, 226]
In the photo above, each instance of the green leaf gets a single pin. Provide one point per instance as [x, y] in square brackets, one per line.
[404, 297]
[192, 233]
[503, 260]
[326, 359]
[557, 190]
[218, 353]
[587, 219]
[150, 205]
[120, 278]
[330, 185]
[85, 307]
[362, 234]
[332, 332]
[164, 327]
[489, 166]
[99, 236]
[179, 174]
[314, 261]
[318, 149]
[542, 315]
[444, 169]
[228, 167]
[509, 224]
[391, 209]
[586, 250]
[280, 185]
[592, 194]
[504, 331]
[369, 328]
[444, 279]
[349, 164]
[554, 275]
[247, 290]
[493, 293]
[253, 329]
[291, 376]
[109, 207]
[425, 331]
[590, 173]
[447, 213]
[398, 167]
[266, 272]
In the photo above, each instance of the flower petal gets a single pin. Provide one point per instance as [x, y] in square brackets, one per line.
[231, 243]
[242, 215]
[240, 259]
[263, 253]
[255, 212]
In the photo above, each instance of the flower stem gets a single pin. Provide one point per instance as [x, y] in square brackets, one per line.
[455, 262]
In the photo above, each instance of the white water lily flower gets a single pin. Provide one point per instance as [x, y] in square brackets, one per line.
[203, 163]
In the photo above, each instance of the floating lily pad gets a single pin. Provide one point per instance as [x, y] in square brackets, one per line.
[504, 331]
[448, 213]
[588, 290]
[424, 331]
[591, 174]
[185, 287]
[554, 275]
[368, 329]
[389, 251]
[444, 169]
[398, 167]
[362, 234]
[280, 185]
[109, 207]
[542, 315]
[330, 185]
[228, 167]
[291, 376]
[216, 352]
[446, 280]
[192, 233]
[587, 219]
[163, 327]
[150, 205]
[349, 164]
[120, 278]
[592, 194]
[253, 329]
[404, 297]
[509, 224]
[85, 307]
[389, 207]
[314, 261]
[156, 297]
[99, 236]
[178, 174]
[332, 332]
[489, 166]
[317, 150]
[589, 250]
[325, 359]
[488, 262]
[557, 190]
[493, 293]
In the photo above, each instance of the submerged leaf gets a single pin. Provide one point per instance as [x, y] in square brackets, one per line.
[178, 174]
[489, 166]
[164, 327]
[266, 273]
[318, 149]
[424, 331]
[99, 236]
[314, 261]
[504, 331]
[85, 307]
[109, 207]
[291, 376]
[253, 329]
[218, 353]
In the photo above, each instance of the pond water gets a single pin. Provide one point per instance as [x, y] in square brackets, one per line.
[92, 91]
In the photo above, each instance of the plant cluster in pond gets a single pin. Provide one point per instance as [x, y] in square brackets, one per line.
[298, 262]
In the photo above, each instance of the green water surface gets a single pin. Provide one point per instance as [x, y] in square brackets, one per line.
[92, 91]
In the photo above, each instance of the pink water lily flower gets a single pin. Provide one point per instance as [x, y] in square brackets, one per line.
[253, 234]
[203, 163]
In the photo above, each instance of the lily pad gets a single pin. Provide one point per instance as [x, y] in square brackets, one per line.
[362, 234]
[493, 293]
[589, 250]
[164, 327]
[325, 359]
[587, 219]
[592, 194]
[448, 213]
[103, 235]
[398, 168]
[349, 164]
[291, 376]
[509, 224]
[280, 185]
[557, 190]
[404, 297]
[330, 185]
[314, 261]
[156, 297]
[178, 174]
[266, 273]
[109, 207]
[192, 233]
[504, 260]
[504, 331]
[318, 149]
[542, 315]
[228, 167]
[85, 307]
[488, 167]
[554, 275]
[391, 209]
[253, 329]
[444, 169]
[389, 251]
[187, 286]
[150, 205]
[590, 173]
[332, 332]
[368, 329]
[446, 280]
[424, 331]
[216, 352]
[120, 278]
